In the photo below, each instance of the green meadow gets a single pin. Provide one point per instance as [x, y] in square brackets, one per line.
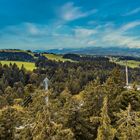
[56, 57]
[130, 63]
[28, 65]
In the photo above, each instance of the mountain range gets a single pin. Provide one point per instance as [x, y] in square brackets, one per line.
[115, 51]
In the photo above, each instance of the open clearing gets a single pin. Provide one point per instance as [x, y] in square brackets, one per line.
[130, 63]
[56, 57]
[28, 65]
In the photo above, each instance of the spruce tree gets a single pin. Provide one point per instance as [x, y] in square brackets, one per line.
[128, 124]
[46, 128]
[105, 130]
[10, 118]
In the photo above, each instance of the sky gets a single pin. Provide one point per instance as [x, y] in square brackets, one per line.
[58, 24]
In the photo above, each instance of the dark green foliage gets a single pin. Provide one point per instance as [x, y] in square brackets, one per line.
[126, 97]
[86, 101]
[16, 56]
[10, 118]
[128, 124]
[105, 130]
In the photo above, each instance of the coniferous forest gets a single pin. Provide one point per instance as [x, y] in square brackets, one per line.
[69, 69]
[85, 100]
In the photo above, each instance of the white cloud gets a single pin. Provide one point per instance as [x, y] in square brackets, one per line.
[33, 29]
[92, 43]
[29, 35]
[121, 37]
[69, 12]
[83, 32]
[130, 25]
[134, 11]
[25, 29]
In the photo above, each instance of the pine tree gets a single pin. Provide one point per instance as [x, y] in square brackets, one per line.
[128, 124]
[116, 76]
[46, 128]
[9, 95]
[114, 84]
[10, 117]
[126, 97]
[24, 134]
[105, 130]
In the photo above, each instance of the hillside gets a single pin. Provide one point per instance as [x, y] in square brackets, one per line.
[16, 55]
[21, 57]
[26, 58]
[68, 100]
[132, 62]
[56, 57]
[27, 65]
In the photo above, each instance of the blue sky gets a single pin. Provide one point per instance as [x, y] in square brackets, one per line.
[48, 24]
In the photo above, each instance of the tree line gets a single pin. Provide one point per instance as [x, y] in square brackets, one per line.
[86, 100]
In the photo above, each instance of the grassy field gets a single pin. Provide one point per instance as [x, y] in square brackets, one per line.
[28, 65]
[130, 63]
[56, 57]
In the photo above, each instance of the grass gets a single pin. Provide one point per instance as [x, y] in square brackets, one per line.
[28, 65]
[56, 57]
[130, 63]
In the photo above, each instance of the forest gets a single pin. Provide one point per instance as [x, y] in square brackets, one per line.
[17, 55]
[86, 100]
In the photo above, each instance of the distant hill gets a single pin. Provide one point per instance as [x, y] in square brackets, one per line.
[16, 55]
[115, 51]
[28, 56]
[77, 57]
